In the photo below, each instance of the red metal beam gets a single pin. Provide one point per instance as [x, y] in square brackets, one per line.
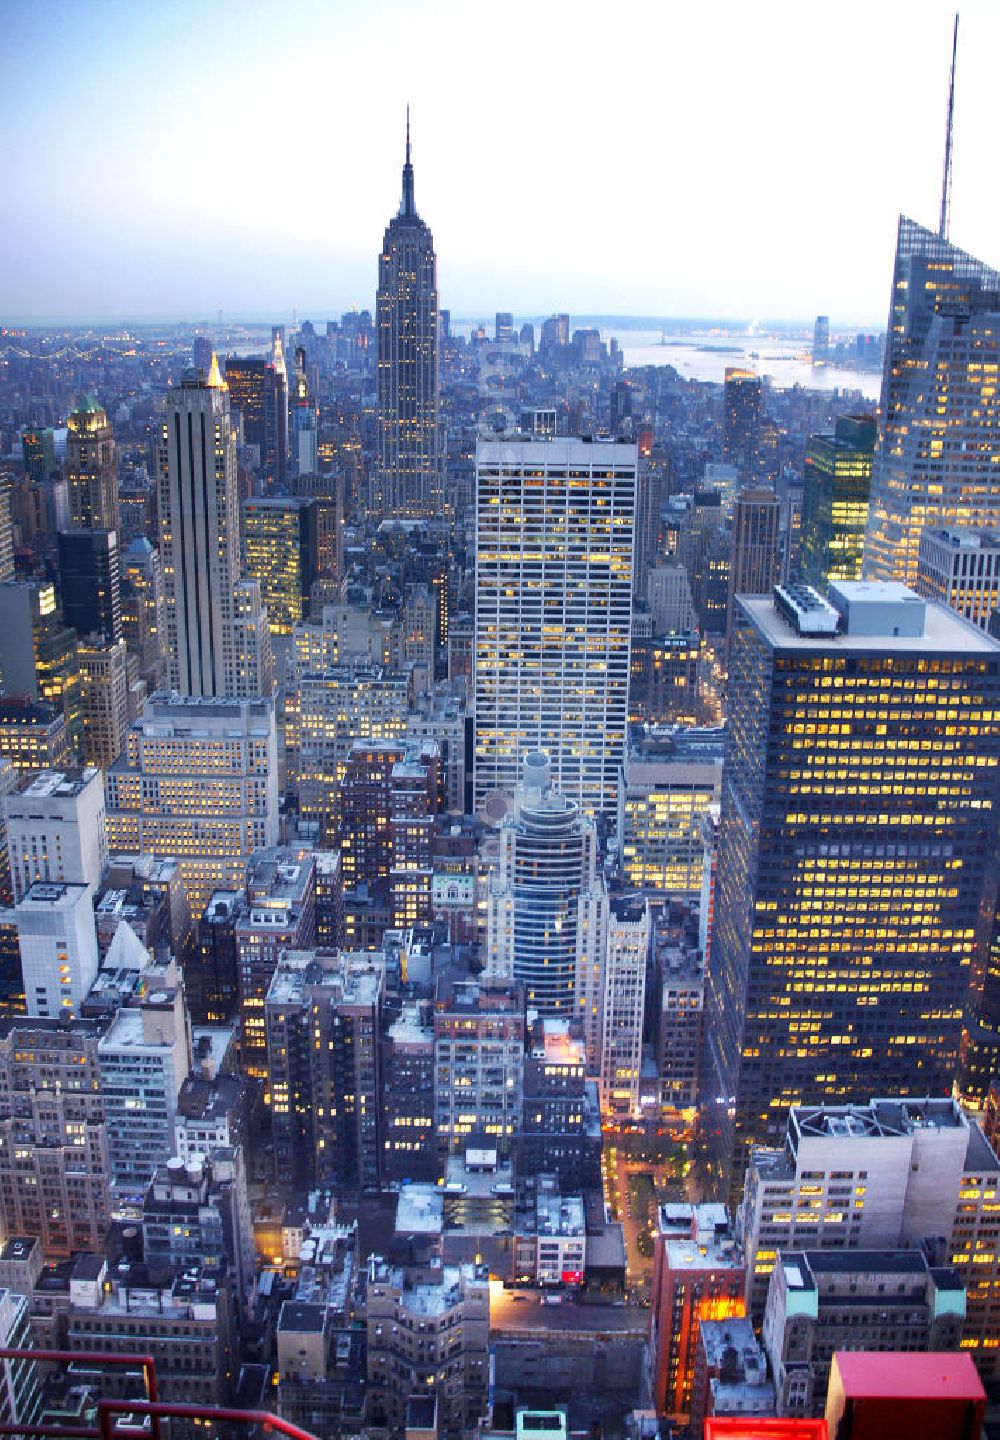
[166, 1410]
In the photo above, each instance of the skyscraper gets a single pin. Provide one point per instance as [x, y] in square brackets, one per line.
[216, 642]
[835, 496]
[938, 449]
[756, 557]
[259, 391]
[91, 468]
[858, 809]
[408, 465]
[90, 582]
[554, 536]
[282, 554]
[742, 403]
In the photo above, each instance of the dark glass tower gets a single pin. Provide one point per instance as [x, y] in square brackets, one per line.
[408, 475]
[835, 495]
[855, 840]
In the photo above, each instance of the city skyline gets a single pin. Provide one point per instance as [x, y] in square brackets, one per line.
[167, 240]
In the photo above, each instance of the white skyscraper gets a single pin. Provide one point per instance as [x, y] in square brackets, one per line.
[216, 636]
[623, 1005]
[555, 524]
[56, 829]
[58, 943]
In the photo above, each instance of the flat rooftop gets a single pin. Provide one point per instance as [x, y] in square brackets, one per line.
[944, 633]
[59, 784]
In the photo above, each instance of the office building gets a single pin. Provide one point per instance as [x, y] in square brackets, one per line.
[679, 981]
[144, 625]
[58, 945]
[821, 340]
[216, 636]
[819, 1303]
[409, 1139]
[623, 1006]
[90, 583]
[198, 782]
[281, 545]
[939, 436]
[54, 1182]
[554, 543]
[212, 976]
[408, 465]
[546, 903]
[852, 854]
[279, 914]
[56, 829]
[961, 568]
[755, 560]
[196, 1212]
[38, 659]
[323, 1022]
[742, 400]
[479, 1032]
[668, 592]
[428, 1340]
[730, 1376]
[561, 1131]
[91, 468]
[21, 1401]
[669, 783]
[652, 491]
[835, 494]
[258, 391]
[663, 687]
[144, 1057]
[104, 677]
[886, 1175]
[34, 735]
[38, 451]
[697, 1275]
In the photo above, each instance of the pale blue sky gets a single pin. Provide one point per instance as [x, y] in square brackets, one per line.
[165, 157]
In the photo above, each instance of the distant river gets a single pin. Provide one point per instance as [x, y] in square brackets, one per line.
[707, 357]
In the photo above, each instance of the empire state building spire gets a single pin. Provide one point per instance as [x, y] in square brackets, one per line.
[407, 207]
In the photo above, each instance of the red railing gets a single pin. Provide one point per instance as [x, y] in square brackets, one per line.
[109, 1428]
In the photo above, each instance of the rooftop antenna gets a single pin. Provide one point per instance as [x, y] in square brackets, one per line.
[945, 221]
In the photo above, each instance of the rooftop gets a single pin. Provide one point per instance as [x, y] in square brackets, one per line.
[944, 633]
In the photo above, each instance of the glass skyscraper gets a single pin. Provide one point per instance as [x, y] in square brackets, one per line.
[937, 461]
[408, 475]
[835, 496]
[855, 837]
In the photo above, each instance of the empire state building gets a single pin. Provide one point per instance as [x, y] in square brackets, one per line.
[409, 474]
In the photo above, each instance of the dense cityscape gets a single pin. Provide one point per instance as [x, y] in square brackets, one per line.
[498, 868]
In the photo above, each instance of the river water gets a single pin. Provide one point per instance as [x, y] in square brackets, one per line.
[707, 357]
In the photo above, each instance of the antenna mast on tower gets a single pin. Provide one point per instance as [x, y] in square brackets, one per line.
[945, 222]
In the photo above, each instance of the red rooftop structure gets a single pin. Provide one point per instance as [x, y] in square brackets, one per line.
[936, 1396]
[734, 1427]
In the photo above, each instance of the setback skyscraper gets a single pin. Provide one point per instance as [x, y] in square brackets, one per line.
[554, 536]
[91, 468]
[858, 806]
[408, 466]
[938, 451]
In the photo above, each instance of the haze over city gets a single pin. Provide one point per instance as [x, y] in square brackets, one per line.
[709, 160]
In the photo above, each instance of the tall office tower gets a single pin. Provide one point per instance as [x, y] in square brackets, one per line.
[835, 495]
[90, 583]
[91, 468]
[144, 624]
[504, 330]
[198, 781]
[408, 465]
[281, 545]
[554, 543]
[201, 353]
[756, 548]
[409, 1147]
[623, 1006]
[56, 829]
[6, 526]
[258, 389]
[961, 568]
[413, 803]
[54, 1181]
[939, 440]
[328, 492]
[323, 1019]
[38, 658]
[280, 914]
[705, 550]
[546, 904]
[216, 631]
[668, 785]
[144, 1058]
[821, 340]
[857, 820]
[38, 450]
[479, 1029]
[304, 423]
[742, 403]
[652, 492]
[104, 677]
